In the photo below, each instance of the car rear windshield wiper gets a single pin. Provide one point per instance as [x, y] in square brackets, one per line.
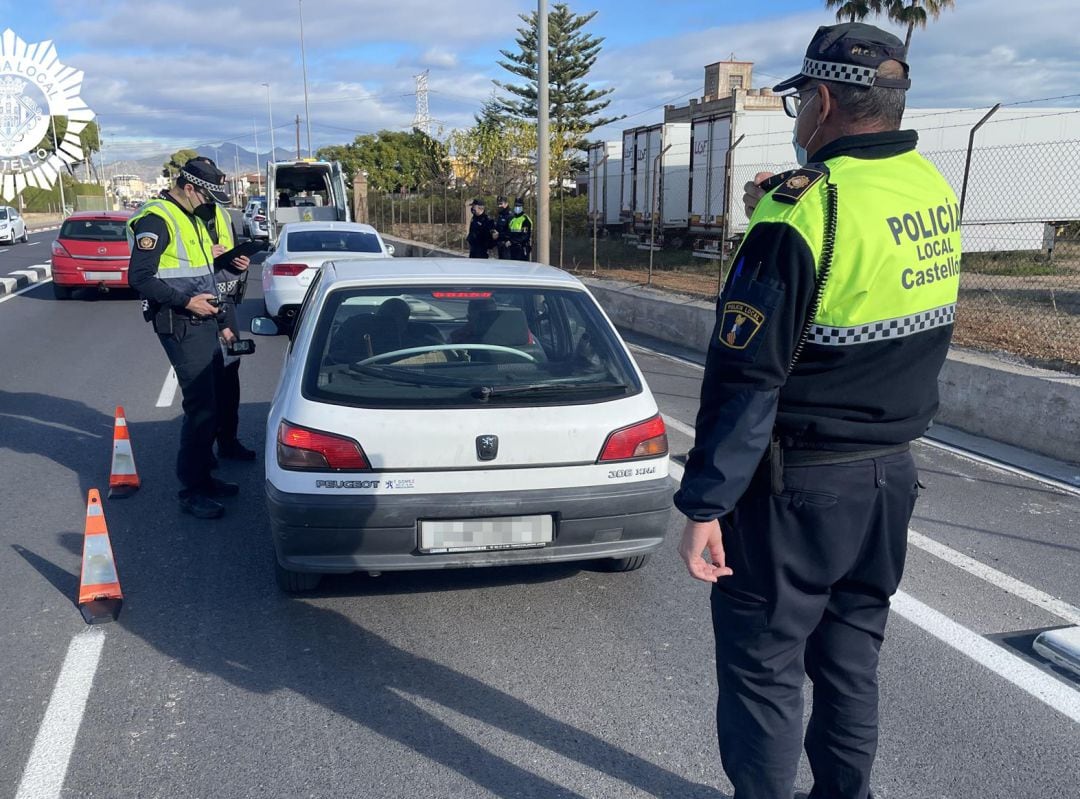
[399, 375]
[485, 393]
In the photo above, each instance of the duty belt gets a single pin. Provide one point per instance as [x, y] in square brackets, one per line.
[779, 457]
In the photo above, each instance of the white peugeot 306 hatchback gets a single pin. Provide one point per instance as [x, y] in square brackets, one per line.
[438, 413]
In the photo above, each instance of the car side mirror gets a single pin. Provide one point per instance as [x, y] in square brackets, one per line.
[390, 249]
[264, 326]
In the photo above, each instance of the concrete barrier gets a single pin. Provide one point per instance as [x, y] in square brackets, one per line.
[1035, 409]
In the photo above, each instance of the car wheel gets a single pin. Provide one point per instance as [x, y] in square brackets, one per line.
[295, 582]
[61, 292]
[623, 564]
[25, 236]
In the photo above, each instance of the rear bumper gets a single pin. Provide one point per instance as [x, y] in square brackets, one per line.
[69, 272]
[319, 533]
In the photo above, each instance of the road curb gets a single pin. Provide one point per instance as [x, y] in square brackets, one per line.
[22, 278]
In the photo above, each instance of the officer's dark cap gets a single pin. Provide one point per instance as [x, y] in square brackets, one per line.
[202, 173]
[850, 53]
[478, 203]
[502, 198]
[518, 201]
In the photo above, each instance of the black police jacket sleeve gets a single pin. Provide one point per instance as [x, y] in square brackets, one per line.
[746, 366]
[143, 266]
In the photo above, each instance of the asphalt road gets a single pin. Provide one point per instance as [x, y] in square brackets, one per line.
[527, 682]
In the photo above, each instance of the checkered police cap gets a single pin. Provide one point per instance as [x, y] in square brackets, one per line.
[203, 173]
[850, 53]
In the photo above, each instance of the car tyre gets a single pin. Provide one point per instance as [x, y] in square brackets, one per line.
[61, 292]
[25, 236]
[630, 564]
[295, 582]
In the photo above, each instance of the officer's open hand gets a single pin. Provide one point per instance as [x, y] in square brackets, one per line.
[200, 306]
[227, 335]
[752, 191]
[697, 537]
[241, 262]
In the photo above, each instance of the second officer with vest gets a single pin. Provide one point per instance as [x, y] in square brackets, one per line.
[172, 269]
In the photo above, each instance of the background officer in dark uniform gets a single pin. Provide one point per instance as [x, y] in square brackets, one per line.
[481, 230]
[520, 232]
[231, 281]
[172, 268]
[502, 228]
[822, 368]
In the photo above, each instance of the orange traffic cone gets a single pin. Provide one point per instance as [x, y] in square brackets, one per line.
[99, 586]
[124, 480]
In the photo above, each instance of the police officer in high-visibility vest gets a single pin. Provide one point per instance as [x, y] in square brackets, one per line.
[172, 268]
[830, 332]
[520, 232]
[231, 285]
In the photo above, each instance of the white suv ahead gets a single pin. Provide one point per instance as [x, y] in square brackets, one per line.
[449, 413]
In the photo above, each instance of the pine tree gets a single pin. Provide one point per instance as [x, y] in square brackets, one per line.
[572, 52]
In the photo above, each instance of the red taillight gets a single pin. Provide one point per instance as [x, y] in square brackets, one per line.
[300, 448]
[646, 439]
[287, 270]
[58, 249]
[260, 218]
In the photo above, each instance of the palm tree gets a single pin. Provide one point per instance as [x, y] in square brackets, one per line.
[854, 10]
[915, 12]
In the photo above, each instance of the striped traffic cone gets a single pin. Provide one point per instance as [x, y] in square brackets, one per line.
[123, 479]
[99, 586]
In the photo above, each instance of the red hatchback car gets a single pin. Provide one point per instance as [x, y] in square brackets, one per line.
[91, 250]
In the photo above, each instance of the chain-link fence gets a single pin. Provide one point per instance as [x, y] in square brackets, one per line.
[1020, 191]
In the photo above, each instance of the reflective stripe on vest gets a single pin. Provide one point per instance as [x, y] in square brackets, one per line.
[187, 254]
[896, 266]
[223, 224]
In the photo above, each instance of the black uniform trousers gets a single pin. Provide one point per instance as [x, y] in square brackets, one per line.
[228, 396]
[193, 351]
[814, 568]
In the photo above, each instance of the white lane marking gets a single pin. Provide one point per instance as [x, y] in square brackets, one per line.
[168, 390]
[33, 243]
[1019, 672]
[1044, 687]
[996, 578]
[678, 426]
[43, 777]
[32, 286]
[1005, 467]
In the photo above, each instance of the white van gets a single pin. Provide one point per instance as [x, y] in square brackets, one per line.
[307, 190]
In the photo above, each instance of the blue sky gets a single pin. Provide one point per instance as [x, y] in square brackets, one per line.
[163, 75]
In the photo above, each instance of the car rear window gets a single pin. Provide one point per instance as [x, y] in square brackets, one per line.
[442, 347]
[332, 241]
[94, 230]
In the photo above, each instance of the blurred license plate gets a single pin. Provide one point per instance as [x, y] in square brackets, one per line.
[464, 535]
[102, 275]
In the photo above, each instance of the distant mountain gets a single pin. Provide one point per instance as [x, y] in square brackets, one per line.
[227, 157]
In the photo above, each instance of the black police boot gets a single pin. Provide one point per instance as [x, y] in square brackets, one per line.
[235, 451]
[220, 488]
[201, 506]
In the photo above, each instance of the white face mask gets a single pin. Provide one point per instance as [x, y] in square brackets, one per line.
[801, 155]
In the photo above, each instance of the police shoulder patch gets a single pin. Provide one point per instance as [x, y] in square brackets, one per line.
[146, 241]
[799, 183]
[739, 324]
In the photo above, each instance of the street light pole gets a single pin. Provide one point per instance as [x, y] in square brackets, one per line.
[270, 114]
[543, 135]
[303, 63]
[258, 169]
